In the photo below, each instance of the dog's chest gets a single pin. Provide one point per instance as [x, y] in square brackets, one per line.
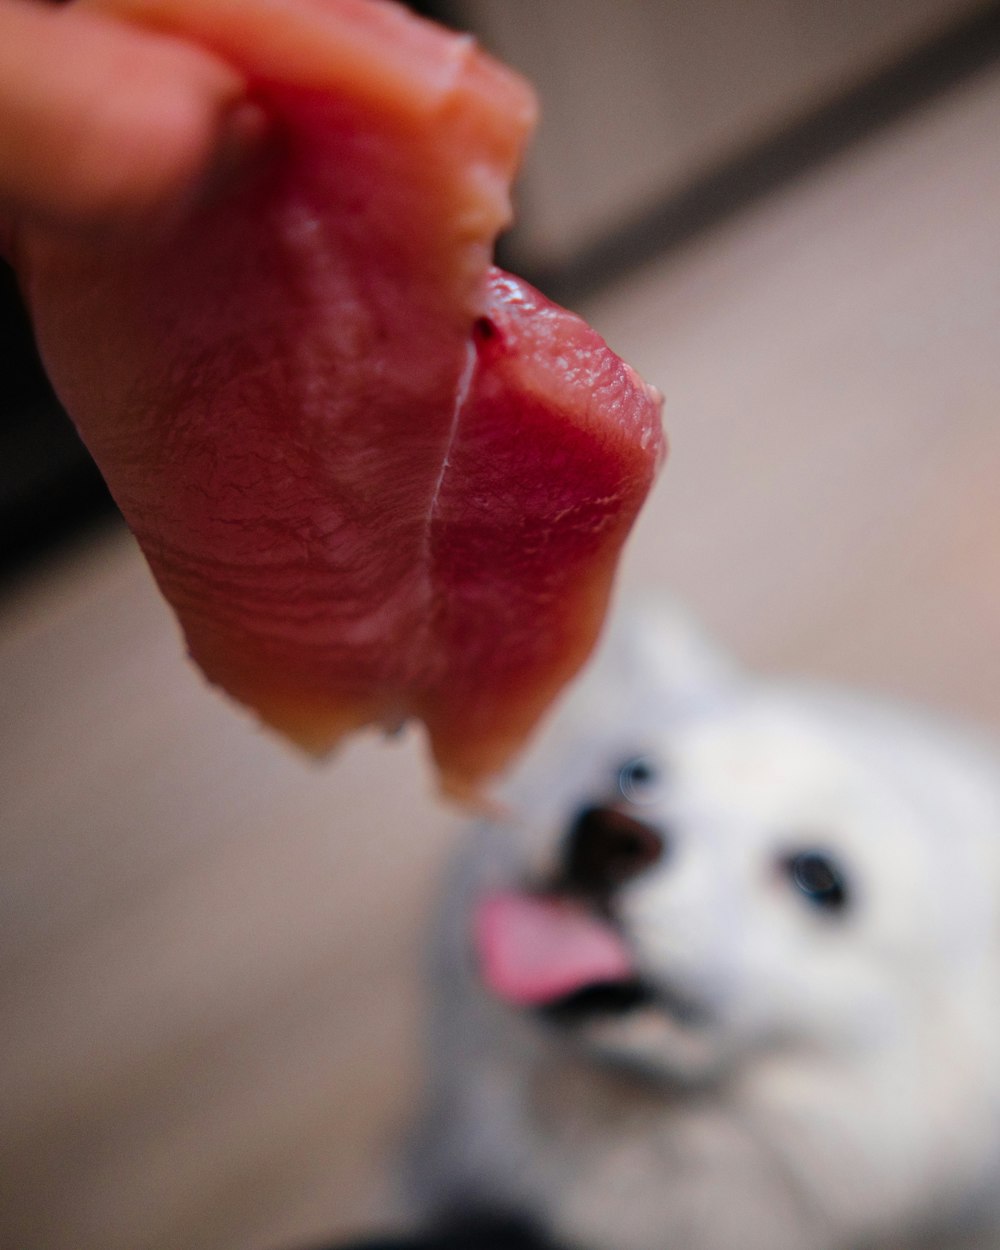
[638, 1169]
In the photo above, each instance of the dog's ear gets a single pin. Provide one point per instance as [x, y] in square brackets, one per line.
[654, 644]
[653, 665]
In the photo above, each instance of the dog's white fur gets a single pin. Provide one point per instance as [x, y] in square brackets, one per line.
[843, 1088]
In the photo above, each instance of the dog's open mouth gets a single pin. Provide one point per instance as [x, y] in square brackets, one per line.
[569, 964]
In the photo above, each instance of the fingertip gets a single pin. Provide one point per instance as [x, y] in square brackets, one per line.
[107, 127]
[145, 140]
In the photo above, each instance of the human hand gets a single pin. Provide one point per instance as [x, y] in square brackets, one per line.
[107, 129]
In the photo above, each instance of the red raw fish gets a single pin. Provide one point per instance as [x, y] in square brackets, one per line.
[376, 478]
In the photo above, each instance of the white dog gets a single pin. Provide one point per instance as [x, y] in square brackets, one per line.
[726, 973]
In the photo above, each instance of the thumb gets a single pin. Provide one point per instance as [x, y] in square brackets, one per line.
[105, 127]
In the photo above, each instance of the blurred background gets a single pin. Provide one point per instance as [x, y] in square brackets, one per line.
[783, 213]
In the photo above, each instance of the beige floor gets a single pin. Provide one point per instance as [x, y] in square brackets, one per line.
[209, 950]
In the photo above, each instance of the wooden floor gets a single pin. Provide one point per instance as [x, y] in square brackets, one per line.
[210, 950]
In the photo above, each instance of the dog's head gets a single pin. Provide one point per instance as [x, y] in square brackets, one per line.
[702, 872]
[734, 942]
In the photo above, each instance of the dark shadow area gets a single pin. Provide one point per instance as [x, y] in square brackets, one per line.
[484, 1233]
[50, 490]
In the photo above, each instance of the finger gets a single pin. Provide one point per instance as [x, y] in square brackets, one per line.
[104, 126]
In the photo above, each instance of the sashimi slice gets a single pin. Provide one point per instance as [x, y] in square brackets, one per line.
[533, 950]
[375, 478]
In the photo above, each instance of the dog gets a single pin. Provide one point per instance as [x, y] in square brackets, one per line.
[723, 971]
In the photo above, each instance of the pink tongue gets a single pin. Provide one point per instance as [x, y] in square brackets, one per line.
[533, 950]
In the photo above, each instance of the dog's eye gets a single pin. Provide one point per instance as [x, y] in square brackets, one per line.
[637, 779]
[819, 878]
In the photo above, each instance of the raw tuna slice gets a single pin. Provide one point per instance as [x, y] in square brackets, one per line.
[375, 478]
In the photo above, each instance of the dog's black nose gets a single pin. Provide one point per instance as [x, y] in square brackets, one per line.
[607, 847]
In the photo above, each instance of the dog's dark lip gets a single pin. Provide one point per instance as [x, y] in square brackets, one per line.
[607, 999]
[603, 998]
